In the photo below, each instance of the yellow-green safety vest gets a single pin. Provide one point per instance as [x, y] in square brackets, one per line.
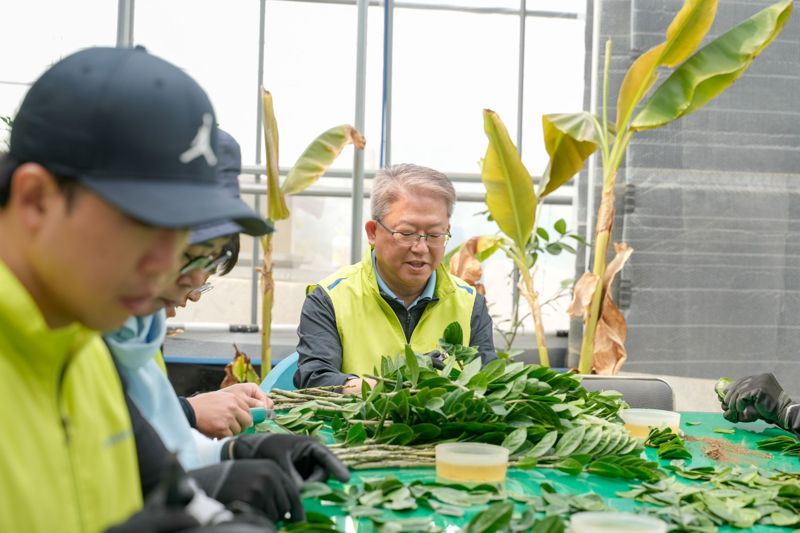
[67, 455]
[369, 328]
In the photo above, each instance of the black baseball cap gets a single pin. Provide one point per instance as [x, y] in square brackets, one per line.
[229, 166]
[134, 129]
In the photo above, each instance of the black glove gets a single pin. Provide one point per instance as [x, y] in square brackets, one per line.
[437, 358]
[761, 397]
[164, 510]
[261, 484]
[156, 519]
[302, 458]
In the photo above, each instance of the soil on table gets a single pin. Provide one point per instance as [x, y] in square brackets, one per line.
[728, 452]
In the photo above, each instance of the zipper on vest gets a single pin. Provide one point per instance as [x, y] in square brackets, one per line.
[65, 426]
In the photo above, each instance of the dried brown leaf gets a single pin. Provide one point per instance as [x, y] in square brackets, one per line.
[466, 265]
[582, 295]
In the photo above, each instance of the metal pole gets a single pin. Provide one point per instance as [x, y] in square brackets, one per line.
[125, 23]
[257, 199]
[520, 105]
[358, 157]
[521, 73]
[388, 45]
[594, 94]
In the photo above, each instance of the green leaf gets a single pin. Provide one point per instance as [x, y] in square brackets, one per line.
[724, 430]
[570, 466]
[570, 441]
[684, 34]
[553, 248]
[544, 445]
[399, 434]
[560, 226]
[412, 364]
[453, 334]
[569, 138]
[515, 440]
[496, 517]
[355, 435]
[472, 368]
[276, 202]
[550, 524]
[425, 432]
[319, 155]
[713, 68]
[509, 187]
[543, 233]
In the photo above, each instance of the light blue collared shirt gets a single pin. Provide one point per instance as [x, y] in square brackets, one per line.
[427, 293]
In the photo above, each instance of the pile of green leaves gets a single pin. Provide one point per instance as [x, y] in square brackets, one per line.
[541, 416]
[375, 497]
[782, 443]
[741, 497]
[670, 445]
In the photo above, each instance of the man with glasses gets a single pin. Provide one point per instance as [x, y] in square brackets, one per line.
[95, 206]
[399, 294]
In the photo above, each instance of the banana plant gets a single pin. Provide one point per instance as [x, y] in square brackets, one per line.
[697, 77]
[512, 200]
[312, 164]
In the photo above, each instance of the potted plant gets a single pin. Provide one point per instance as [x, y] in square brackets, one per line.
[696, 77]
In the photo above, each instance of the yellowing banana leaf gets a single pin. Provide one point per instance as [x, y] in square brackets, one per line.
[509, 188]
[684, 34]
[319, 155]
[276, 203]
[569, 138]
[687, 29]
[713, 68]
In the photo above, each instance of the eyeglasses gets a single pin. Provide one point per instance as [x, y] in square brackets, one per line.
[433, 240]
[202, 289]
[206, 263]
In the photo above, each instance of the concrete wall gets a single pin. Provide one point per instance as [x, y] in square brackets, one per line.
[712, 210]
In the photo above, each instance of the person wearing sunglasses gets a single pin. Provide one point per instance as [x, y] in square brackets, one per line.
[400, 293]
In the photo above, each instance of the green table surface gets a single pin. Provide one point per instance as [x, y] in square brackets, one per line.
[738, 448]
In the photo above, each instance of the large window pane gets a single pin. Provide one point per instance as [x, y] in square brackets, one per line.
[37, 33]
[448, 66]
[217, 44]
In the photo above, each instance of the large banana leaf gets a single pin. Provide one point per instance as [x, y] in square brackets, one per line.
[569, 138]
[509, 187]
[713, 68]
[319, 155]
[684, 34]
[276, 203]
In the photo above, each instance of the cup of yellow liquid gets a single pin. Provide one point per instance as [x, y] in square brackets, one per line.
[639, 421]
[593, 522]
[471, 462]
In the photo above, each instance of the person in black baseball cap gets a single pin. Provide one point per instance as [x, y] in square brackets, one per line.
[112, 160]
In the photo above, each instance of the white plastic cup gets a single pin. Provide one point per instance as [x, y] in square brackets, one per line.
[615, 522]
[638, 422]
[471, 462]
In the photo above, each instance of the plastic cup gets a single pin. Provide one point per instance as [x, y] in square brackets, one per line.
[639, 421]
[615, 523]
[471, 462]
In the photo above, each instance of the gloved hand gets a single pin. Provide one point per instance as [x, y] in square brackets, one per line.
[302, 458]
[437, 358]
[760, 396]
[261, 484]
[165, 510]
[156, 519]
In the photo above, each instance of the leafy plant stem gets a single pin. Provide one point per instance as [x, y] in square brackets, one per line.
[268, 293]
[604, 225]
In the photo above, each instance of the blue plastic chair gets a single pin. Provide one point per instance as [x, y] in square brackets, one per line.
[282, 375]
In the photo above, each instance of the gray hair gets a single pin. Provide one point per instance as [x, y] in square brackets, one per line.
[390, 182]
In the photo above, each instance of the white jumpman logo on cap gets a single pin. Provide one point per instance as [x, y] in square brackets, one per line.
[201, 144]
